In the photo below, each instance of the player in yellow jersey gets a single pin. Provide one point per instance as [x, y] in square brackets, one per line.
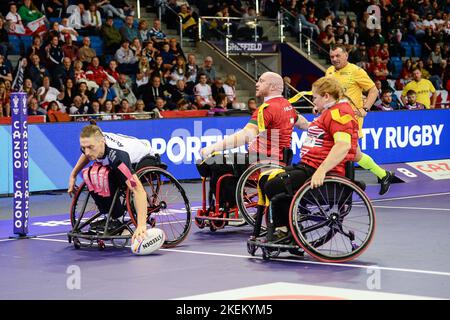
[355, 81]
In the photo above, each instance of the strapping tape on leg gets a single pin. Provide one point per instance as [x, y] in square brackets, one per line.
[97, 179]
[127, 173]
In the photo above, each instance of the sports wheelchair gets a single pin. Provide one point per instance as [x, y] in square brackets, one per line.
[232, 195]
[332, 223]
[168, 208]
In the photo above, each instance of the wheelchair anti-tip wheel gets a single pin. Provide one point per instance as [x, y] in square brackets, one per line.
[247, 193]
[333, 223]
[167, 205]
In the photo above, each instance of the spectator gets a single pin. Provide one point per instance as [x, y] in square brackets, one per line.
[311, 28]
[168, 57]
[136, 47]
[123, 90]
[159, 107]
[5, 108]
[69, 49]
[105, 93]
[94, 110]
[192, 71]
[4, 39]
[143, 30]
[379, 69]
[175, 48]
[47, 94]
[37, 71]
[92, 20]
[112, 69]
[411, 103]
[423, 88]
[78, 107]
[108, 111]
[68, 93]
[124, 107]
[29, 12]
[435, 71]
[95, 72]
[54, 31]
[28, 89]
[183, 105]
[80, 76]
[251, 105]
[63, 72]
[203, 94]
[34, 109]
[178, 72]
[111, 36]
[230, 91]
[128, 31]
[55, 57]
[144, 65]
[110, 10]
[128, 62]
[246, 28]
[217, 87]
[141, 80]
[157, 35]
[221, 106]
[326, 21]
[429, 43]
[326, 38]
[5, 71]
[416, 27]
[151, 91]
[149, 51]
[87, 96]
[14, 19]
[340, 34]
[189, 21]
[36, 48]
[67, 30]
[55, 114]
[208, 69]
[160, 71]
[179, 92]
[76, 19]
[140, 106]
[86, 53]
[54, 8]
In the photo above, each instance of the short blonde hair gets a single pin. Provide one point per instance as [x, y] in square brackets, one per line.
[91, 131]
[328, 85]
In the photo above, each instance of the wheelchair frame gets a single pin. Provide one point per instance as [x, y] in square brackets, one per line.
[298, 244]
[115, 235]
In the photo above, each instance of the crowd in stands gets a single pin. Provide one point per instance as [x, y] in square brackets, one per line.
[94, 57]
[137, 71]
[388, 38]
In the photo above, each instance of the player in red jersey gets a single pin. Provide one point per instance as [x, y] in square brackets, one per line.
[331, 141]
[270, 128]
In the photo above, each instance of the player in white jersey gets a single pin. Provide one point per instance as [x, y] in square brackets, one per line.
[118, 154]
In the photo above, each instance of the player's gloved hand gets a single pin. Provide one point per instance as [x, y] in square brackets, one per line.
[205, 152]
[140, 233]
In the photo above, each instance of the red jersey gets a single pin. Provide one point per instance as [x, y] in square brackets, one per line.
[319, 140]
[279, 120]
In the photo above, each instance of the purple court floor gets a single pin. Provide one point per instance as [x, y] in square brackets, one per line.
[408, 259]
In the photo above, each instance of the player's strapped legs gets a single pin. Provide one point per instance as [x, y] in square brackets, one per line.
[104, 203]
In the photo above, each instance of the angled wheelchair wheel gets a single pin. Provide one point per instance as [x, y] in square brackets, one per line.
[247, 192]
[333, 223]
[83, 210]
[167, 204]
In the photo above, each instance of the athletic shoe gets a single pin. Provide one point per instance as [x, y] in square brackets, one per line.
[99, 225]
[386, 182]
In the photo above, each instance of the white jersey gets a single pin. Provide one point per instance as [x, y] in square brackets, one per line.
[126, 149]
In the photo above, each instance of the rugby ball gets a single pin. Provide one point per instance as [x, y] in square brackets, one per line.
[153, 241]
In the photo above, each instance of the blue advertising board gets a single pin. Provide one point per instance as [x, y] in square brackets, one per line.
[397, 136]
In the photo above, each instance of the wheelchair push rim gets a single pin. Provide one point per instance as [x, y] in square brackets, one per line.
[168, 207]
[331, 223]
[246, 191]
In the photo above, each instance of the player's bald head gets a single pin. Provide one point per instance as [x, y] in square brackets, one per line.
[269, 84]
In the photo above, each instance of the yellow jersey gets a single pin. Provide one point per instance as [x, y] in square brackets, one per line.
[423, 88]
[354, 80]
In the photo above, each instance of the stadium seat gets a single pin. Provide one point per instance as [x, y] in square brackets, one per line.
[15, 49]
[51, 20]
[117, 23]
[407, 48]
[416, 50]
[27, 42]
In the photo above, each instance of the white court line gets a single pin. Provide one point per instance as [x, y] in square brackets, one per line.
[412, 197]
[371, 267]
[407, 208]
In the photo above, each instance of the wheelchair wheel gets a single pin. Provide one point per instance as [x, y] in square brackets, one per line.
[83, 210]
[247, 192]
[333, 223]
[167, 204]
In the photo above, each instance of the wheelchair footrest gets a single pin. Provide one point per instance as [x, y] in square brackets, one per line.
[275, 245]
[92, 236]
[219, 219]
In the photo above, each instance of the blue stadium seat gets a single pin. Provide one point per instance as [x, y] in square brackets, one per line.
[15, 48]
[27, 42]
[51, 20]
[417, 50]
[407, 47]
[117, 23]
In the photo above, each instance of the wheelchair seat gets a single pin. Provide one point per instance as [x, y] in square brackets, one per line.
[149, 160]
